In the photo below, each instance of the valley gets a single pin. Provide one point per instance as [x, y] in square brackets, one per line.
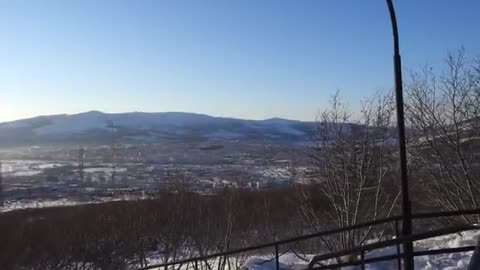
[49, 175]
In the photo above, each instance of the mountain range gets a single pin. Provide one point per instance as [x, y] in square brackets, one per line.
[140, 127]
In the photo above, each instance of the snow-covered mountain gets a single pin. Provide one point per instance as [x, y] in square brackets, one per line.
[95, 126]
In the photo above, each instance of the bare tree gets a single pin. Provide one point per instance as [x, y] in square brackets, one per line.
[354, 172]
[444, 112]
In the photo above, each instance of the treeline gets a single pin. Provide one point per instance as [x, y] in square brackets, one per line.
[169, 226]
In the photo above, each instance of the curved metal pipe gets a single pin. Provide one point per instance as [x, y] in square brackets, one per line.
[408, 262]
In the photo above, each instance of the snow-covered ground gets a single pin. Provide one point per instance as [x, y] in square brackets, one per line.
[23, 204]
[290, 261]
[27, 167]
[453, 261]
[104, 170]
[34, 167]
[26, 204]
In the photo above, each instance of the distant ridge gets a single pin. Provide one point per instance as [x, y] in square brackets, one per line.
[142, 127]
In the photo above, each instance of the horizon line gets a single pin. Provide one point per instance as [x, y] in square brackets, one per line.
[153, 112]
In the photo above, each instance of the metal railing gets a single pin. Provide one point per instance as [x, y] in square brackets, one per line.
[359, 251]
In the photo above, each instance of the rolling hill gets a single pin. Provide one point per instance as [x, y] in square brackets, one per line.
[139, 127]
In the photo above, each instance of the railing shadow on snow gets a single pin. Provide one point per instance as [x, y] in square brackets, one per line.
[397, 241]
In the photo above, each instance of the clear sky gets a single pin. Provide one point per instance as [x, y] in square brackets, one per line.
[242, 58]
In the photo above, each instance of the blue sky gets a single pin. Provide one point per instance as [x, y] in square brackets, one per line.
[250, 59]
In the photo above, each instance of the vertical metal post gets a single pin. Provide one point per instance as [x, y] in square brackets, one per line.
[399, 252]
[362, 260]
[406, 205]
[277, 263]
[196, 265]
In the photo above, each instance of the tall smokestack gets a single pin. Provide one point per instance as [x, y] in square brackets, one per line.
[81, 163]
[113, 152]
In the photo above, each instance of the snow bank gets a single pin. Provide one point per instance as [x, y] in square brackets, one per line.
[453, 261]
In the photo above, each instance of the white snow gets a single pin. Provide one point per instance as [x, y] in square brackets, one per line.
[76, 123]
[23, 204]
[26, 203]
[26, 167]
[105, 170]
[453, 261]
[273, 172]
[94, 120]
